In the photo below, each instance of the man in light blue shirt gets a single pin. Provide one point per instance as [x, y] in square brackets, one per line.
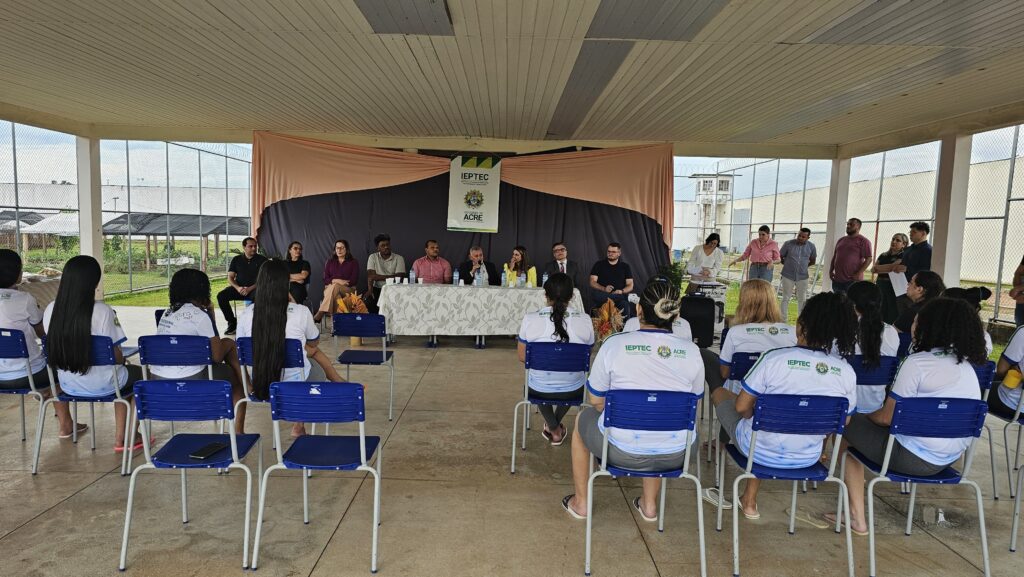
[798, 255]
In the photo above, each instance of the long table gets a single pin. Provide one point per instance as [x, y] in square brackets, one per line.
[421, 309]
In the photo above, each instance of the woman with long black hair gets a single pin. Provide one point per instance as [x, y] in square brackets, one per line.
[71, 320]
[298, 273]
[280, 319]
[558, 323]
[923, 287]
[875, 339]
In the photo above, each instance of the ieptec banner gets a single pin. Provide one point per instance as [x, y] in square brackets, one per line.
[473, 189]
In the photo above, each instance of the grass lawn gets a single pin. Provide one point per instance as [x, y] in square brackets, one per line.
[157, 297]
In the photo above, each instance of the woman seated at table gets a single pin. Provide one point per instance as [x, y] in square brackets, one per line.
[519, 265]
[875, 339]
[298, 273]
[706, 259]
[923, 287]
[827, 323]
[71, 320]
[614, 368]
[948, 335]
[341, 277]
[19, 311]
[190, 314]
[279, 319]
[559, 323]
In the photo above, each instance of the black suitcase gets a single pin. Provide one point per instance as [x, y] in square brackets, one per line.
[699, 311]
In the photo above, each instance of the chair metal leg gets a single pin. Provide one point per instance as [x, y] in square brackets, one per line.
[259, 515]
[515, 432]
[661, 506]
[129, 438]
[305, 497]
[981, 525]
[700, 522]
[1006, 453]
[871, 524]
[736, 522]
[74, 419]
[92, 423]
[248, 508]
[1016, 455]
[839, 500]
[376, 517]
[128, 513]
[720, 483]
[39, 434]
[23, 431]
[992, 460]
[711, 426]
[590, 517]
[1016, 515]
[910, 509]
[844, 495]
[526, 422]
[792, 510]
[391, 394]
[184, 497]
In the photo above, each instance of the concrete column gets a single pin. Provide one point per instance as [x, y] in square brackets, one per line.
[90, 200]
[951, 207]
[838, 197]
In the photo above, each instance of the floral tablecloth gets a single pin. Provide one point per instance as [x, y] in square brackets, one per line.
[460, 310]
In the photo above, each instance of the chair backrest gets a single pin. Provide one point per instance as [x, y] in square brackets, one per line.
[904, 348]
[158, 314]
[359, 325]
[938, 417]
[294, 355]
[102, 352]
[183, 400]
[741, 364]
[12, 344]
[883, 374]
[986, 374]
[558, 357]
[324, 402]
[800, 414]
[639, 410]
[175, 350]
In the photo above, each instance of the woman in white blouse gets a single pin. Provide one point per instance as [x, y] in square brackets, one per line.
[706, 259]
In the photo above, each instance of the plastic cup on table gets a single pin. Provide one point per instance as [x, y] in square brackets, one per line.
[419, 281]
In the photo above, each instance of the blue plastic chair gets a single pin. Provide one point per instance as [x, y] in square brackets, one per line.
[554, 357]
[366, 325]
[935, 417]
[177, 401]
[882, 375]
[294, 357]
[102, 353]
[738, 369]
[175, 350]
[905, 341]
[648, 411]
[791, 415]
[323, 403]
[14, 346]
[986, 375]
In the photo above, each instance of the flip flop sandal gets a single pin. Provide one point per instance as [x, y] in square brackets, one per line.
[82, 428]
[639, 509]
[136, 447]
[711, 495]
[568, 509]
[753, 517]
[804, 517]
[544, 432]
[565, 433]
[842, 523]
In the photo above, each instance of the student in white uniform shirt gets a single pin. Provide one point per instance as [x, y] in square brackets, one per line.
[875, 339]
[19, 311]
[558, 323]
[948, 335]
[189, 314]
[71, 321]
[974, 297]
[279, 318]
[827, 321]
[651, 358]
[757, 326]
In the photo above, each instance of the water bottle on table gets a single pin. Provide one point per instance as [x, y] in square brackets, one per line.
[478, 278]
[504, 278]
[522, 280]
[455, 277]
[412, 276]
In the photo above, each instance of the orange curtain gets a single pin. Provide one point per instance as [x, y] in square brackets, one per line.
[285, 167]
[638, 178]
[635, 177]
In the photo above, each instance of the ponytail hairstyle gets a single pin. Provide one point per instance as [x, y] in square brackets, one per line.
[828, 320]
[270, 316]
[867, 301]
[69, 342]
[558, 290]
[973, 295]
[660, 303]
[953, 326]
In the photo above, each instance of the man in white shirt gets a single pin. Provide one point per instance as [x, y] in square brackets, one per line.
[380, 266]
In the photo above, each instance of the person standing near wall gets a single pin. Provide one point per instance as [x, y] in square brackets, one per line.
[798, 255]
[850, 258]
[763, 253]
[916, 258]
[883, 266]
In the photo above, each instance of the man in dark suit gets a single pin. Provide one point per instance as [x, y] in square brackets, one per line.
[476, 263]
[561, 263]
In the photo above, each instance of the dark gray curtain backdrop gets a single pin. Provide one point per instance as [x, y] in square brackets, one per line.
[412, 213]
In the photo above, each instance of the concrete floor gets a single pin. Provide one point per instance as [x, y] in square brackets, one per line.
[449, 505]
